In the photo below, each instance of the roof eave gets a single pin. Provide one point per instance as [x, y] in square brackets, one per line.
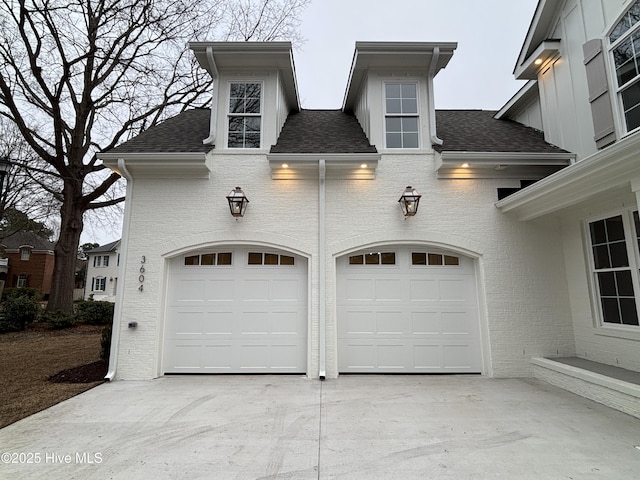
[296, 166]
[515, 165]
[254, 55]
[613, 167]
[158, 164]
[407, 55]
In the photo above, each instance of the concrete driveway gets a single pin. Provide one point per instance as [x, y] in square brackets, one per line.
[356, 427]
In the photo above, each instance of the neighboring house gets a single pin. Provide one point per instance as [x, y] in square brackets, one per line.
[27, 261]
[102, 272]
[324, 274]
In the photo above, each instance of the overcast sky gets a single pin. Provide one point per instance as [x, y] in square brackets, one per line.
[489, 35]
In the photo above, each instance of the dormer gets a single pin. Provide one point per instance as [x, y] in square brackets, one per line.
[253, 91]
[390, 91]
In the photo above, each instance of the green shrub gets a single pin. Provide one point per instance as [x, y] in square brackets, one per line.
[59, 320]
[19, 312]
[105, 343]
[94, 313]
[32, 293]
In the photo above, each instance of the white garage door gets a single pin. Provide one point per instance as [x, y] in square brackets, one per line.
[241, 310]
[407, 310]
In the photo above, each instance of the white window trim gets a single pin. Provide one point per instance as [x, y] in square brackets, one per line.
[615, 91]
[229, 114]
[403, 81]
[634, 265]
[25, 254]
[22, 280]
[95, 284]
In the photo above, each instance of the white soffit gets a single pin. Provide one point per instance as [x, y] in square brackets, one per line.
[159, 165]
[515, 165]
[614, 167]
[539, 60]
[353, 166]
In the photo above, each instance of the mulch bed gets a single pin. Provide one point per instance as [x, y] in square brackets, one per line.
[92, 372]
[40, 367]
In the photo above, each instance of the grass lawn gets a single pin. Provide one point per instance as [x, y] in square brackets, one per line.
[40, 367]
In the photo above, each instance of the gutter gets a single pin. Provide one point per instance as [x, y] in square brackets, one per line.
[433, 66]
[213, 125]
[322, 370]
[124, 242]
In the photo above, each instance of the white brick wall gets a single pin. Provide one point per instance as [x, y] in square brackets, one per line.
[604, 345]
[524, 307]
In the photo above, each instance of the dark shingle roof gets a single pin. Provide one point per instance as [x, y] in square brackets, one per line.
[478, 131]
[182, 133]
[109, 247]
[19, 239]
[322, 131]
[333, 131]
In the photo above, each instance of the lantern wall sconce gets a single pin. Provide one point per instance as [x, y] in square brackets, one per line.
[237, 202]
[409, 201]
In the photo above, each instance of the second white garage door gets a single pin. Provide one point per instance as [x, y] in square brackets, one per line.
[236, 310]
[407, 310]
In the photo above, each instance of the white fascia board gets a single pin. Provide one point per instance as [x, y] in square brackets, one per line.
[352, 166]
[612, 167]
[394, 55]
[522, 97]
[513, 165]
[159, 165]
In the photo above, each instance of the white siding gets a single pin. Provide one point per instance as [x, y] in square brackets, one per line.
[593, 342]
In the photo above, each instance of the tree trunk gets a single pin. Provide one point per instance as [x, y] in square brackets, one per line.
[66, 252]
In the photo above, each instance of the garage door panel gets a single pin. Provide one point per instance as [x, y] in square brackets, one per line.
[392, 322]
[285, 323]
[221, 290]
[389, 290]
[427, 356]
[424, 290]
[285, 290]
[357, 322]
[255, 290]
[189, 290]
[393, 355]
[455, 290]
[426, 323]
[457, 323]
[359, 289]
[461, 356]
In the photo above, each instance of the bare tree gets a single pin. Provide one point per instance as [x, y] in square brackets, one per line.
[81, 76]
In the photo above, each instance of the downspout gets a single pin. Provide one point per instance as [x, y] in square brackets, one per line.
[124, 242]
[432, 107]
[213, 121]
[322, 270]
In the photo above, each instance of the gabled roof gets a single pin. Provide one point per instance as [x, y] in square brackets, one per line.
[19, 239]
[109, 247]
[479, 131]
[182, 133]
[322, 131]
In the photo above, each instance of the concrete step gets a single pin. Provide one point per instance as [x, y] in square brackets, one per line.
[614, 387]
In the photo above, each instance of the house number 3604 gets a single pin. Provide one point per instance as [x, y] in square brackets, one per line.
[141, 277]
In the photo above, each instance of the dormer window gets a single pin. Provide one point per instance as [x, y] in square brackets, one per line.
[401, 115]
[244, 125]
[25, 253]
